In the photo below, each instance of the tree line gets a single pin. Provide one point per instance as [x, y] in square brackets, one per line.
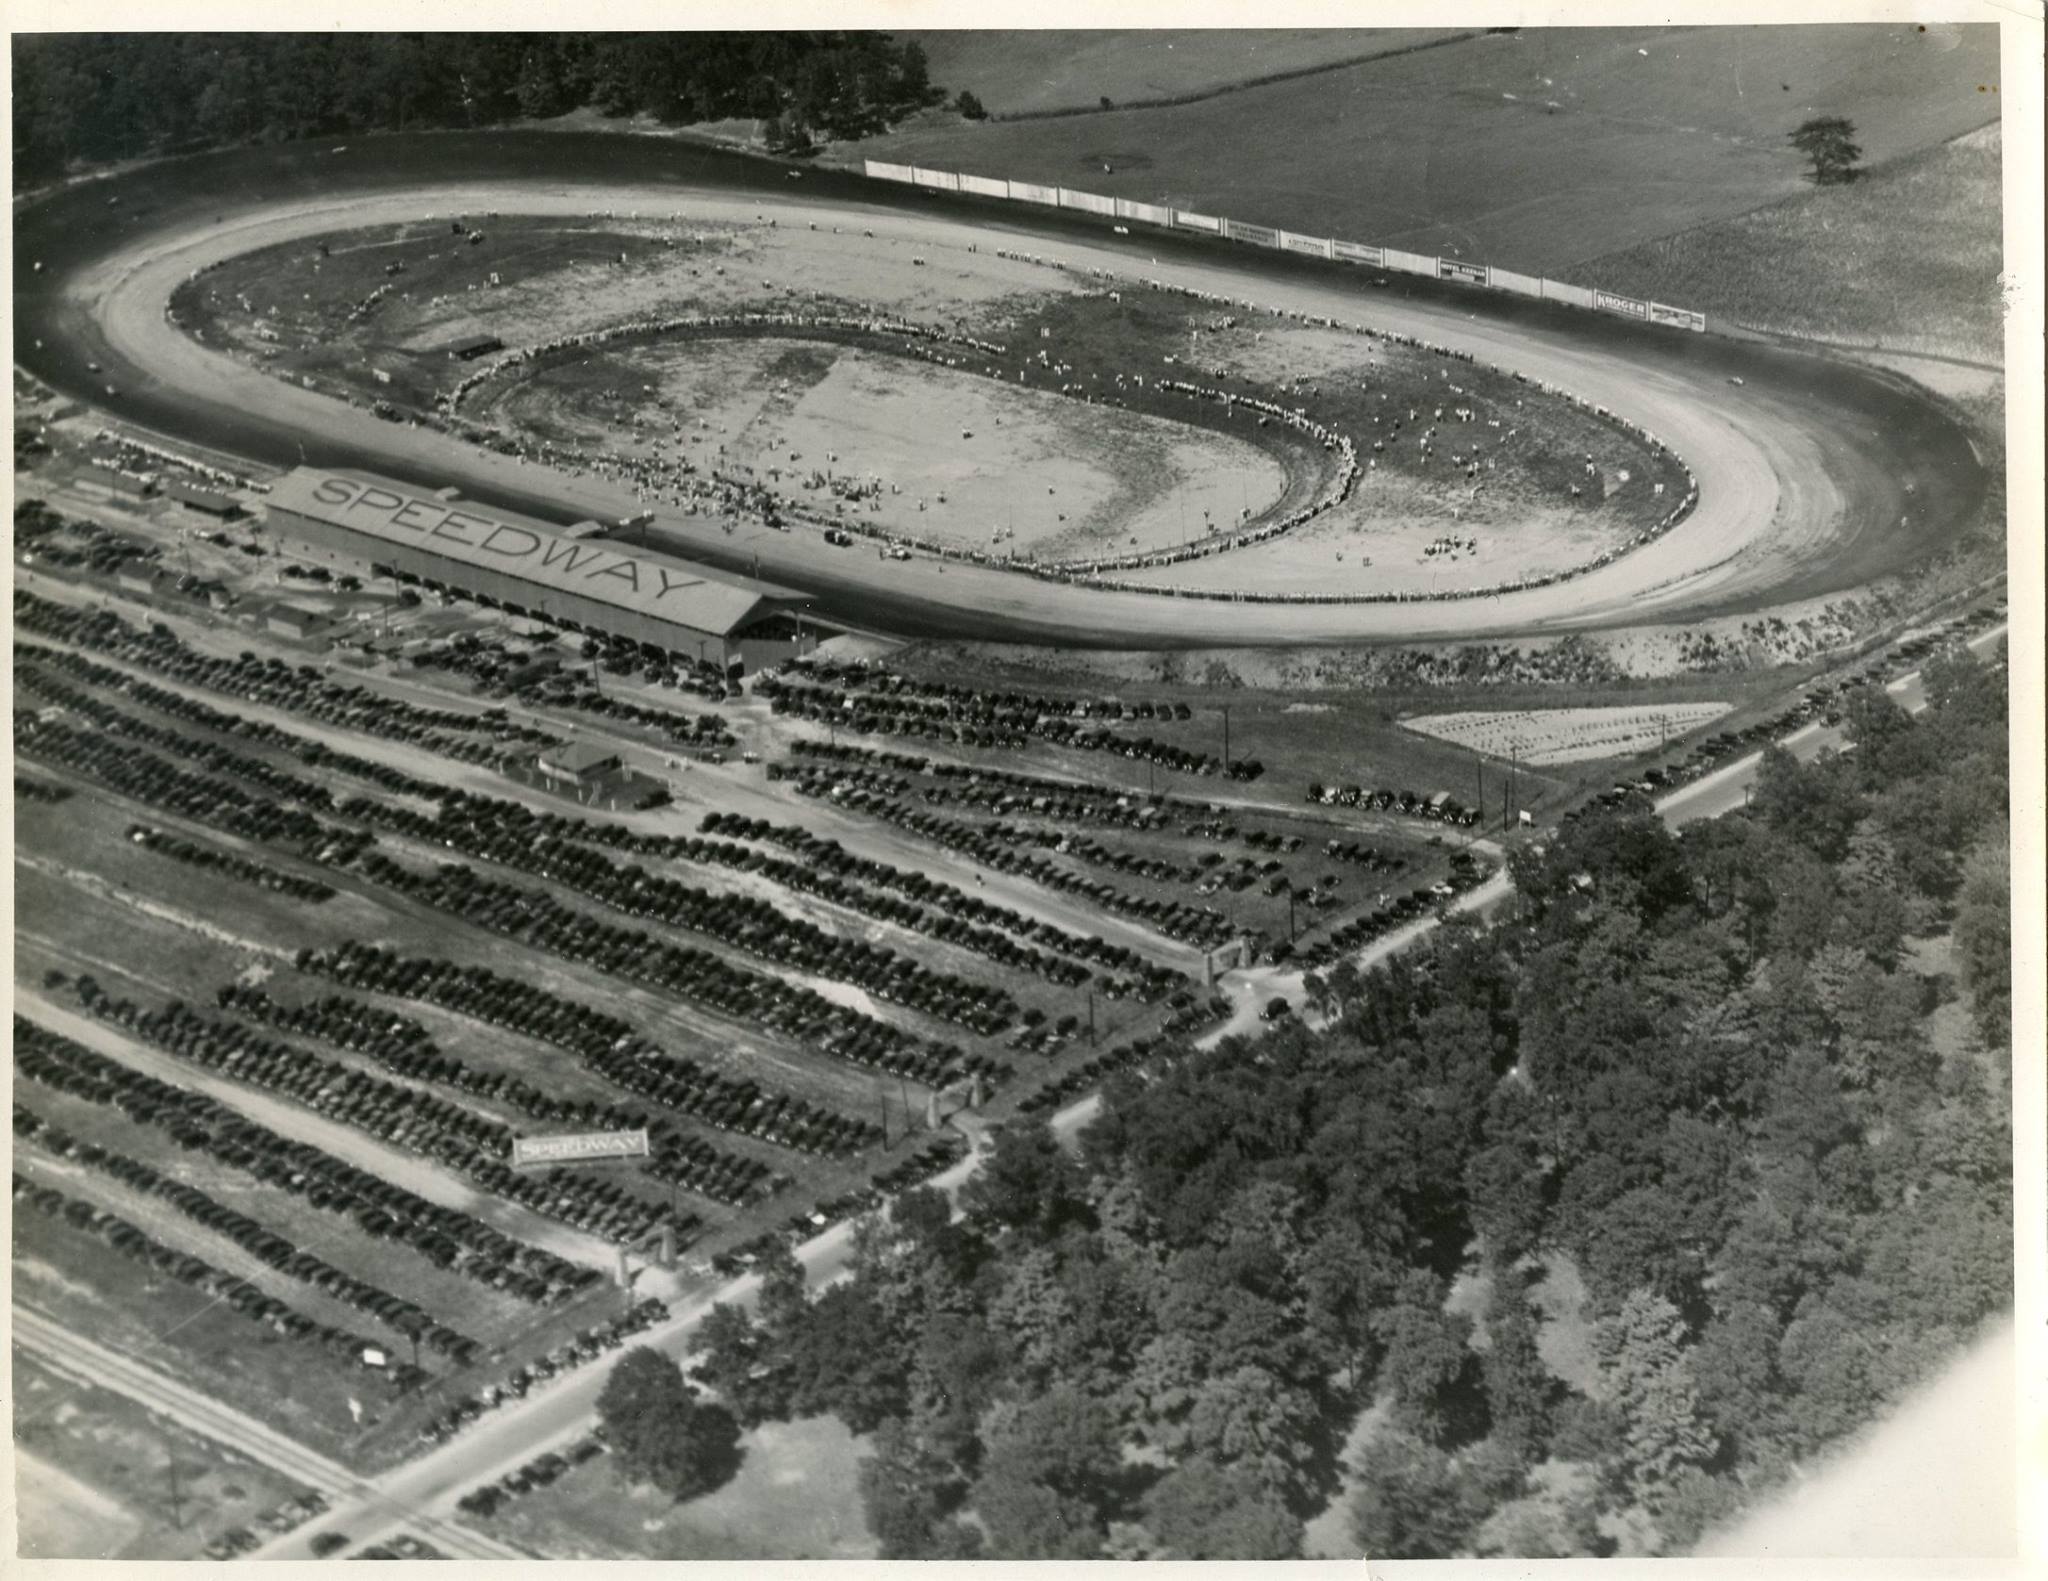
[1693, 1074]
[99, 97]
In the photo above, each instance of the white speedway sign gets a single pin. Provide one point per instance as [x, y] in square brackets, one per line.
[579, 1146]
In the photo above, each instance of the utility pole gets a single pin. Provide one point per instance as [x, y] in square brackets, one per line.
[1091, 1016]
[882, 1096]
[177, 1496]
[1226, 735]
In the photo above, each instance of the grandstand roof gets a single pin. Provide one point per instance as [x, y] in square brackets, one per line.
[659, 586]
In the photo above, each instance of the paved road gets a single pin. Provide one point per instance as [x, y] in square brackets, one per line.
[72, 1354]
[561, 1412]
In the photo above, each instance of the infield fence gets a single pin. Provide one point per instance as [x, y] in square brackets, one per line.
[1167, 217]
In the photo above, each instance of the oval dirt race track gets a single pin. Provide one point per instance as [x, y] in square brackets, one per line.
[1801, 468]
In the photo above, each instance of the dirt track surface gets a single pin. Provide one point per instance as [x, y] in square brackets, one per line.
[1802, 468]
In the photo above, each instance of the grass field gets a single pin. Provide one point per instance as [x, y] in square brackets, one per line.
[795, 1497]
[1023, 72]
[93, 1475]
[1907, 258]
[1533, 151]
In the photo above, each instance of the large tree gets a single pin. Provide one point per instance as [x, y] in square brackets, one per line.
[1829, 144]
[661, 1431]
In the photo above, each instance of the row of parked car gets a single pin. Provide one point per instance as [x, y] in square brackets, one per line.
[746, 923]
[485, 1501]
[605, 1044]
[817, 854]
[225, 1289]
[978, 701]
[230, 864]
[824, 872]
[931, 1156]
[466, 1143]
[265, 1245]
[178, 705]
[286, 1516]
[29, 788]
[446, 1237]
[996, 845]
[1190, 1015]
[540, 921]
[143, 777]
[578, 1351]
[487, 738]
[1466, 872]
[871, 713]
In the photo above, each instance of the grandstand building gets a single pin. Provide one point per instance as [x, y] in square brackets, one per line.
[571, 577]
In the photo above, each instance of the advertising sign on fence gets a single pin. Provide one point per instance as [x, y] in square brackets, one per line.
[1189, 221]
[1358, 252]
[1411, 263]
[1558, 291]
[1031, 192]
[1319, 246]
[1070, 199]
[1508, 280]
[579, 1147]
[1150, 213]
[1682, 317]
[1457, 269]
[1621, 304]
[1257, 235]
[985, 186]
[882, 172]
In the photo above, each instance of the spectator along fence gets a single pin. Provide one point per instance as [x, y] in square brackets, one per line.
[1169, 218]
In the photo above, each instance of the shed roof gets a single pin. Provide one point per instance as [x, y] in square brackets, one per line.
[645, 582]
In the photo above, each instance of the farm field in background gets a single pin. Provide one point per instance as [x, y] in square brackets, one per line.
[1907, 258]
[1035, 71]
[1513, 150]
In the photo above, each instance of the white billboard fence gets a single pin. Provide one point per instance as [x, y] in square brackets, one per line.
[1679, 317]
[1087, 201]
[1456, 270]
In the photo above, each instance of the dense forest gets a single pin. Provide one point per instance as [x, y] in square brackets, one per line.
[1694, 1070]
[96, 97]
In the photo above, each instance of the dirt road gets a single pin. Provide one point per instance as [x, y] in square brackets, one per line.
[1802, 468]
